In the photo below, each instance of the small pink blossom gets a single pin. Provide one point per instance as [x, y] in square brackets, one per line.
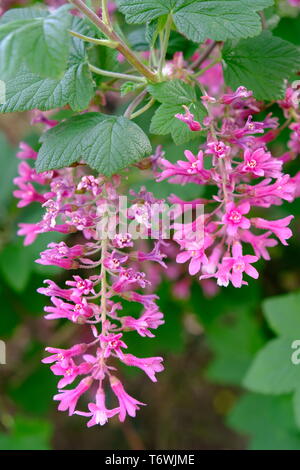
[238, 264]
[128, 405]
[278, 227]
[63, 354]
[26, 152]
[150, 365]
[234, 217]
[112, 343]
[188, 118]
[152, 318]
[261, 163]
[68, 398]
[197, 257]
[240, 93]
[98, 411]
[59, 254]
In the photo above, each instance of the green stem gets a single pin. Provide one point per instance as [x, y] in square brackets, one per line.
[164, 45]
[116, 75]
[98, 42]
[103, 284]
[122, 47]
[143, 109]
[137, 100]
[105, 14]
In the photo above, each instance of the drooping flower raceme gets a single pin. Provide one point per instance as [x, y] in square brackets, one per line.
[235, 161]
[106, 278]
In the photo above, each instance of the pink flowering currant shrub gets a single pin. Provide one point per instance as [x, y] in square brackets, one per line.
[230, 96]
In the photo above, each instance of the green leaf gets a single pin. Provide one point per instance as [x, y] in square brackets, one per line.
[23, 14]
[201, 19]
[283, 314]
[29, 91]
[107, 143]
[173, 94]
[267, 420]
[219, 20]
[142, 12]
[41, 43]
[261, 64]
[137, 40]
[233, 339]
[129, 87]
[164, 122]
[272, 371]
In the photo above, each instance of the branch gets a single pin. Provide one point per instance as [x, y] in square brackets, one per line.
[121, 47]
[204, 56]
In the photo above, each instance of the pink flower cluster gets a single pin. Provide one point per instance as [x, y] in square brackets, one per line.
[236, 161]
[76, 202]
[294, 3]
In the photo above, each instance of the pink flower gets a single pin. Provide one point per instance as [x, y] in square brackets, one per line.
[53, 290]
[278, 227]
[26, 152]
[127, 277]
[122, 240]
[218, 148]
[261, 163]
[81, 286]
[27, 174]
[100, 414]
[194, 166]
[38, 116]
[77, 313]
[59, 254]
[28, 194]
[249, 128]
[294, 3]
[266, 193]
[197, 257]
[152, 318]
[90, 183]
[63, 354]
[30, 231]
[112, 343]
[68, 398]
[155, 255]
[259, 243]
[114, 261]
[70, 371]
[240, 93]
[239, 264]
[234, 217]
[128, 405]
[188, 118]
[150, 365]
